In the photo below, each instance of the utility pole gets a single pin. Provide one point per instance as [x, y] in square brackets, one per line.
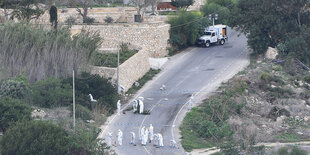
[117, 71]
[73, 92]
[213, 17]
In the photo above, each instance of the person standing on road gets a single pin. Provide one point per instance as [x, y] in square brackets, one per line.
[151, 132]
[133, 137]
[109, 139]
[145, 137]
[161, 140]
[141, 133]
[120, 137]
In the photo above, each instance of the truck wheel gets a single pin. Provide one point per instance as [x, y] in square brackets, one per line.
[222, 42]
[207, 44]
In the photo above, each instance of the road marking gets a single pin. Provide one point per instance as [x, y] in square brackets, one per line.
[173, 124]
[145, 119]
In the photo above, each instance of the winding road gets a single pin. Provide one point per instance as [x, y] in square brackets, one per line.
[197, 71]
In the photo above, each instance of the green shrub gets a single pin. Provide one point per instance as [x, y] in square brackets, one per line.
[12, 110]
[70, 20]
[307, 79]
[283, 151]
[182, 34]
[110, 59]
[84, 141]
[82, 112]
[298, 151]
[265, 77]
[108, 19]
[51, 92]
[16, 88]
[34, 137]
[89, 20]
[101, 89]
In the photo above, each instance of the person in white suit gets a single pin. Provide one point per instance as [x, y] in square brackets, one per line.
[161, 140]
[109, 139]
[141, 106]
[141, 133]
[119, 107]
[133, 138]
[120, 137]
[151, 133]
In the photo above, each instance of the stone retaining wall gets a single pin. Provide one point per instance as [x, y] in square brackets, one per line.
[152, 37]
[129, 72]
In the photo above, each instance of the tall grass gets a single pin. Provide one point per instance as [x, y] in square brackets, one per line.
[38, 53]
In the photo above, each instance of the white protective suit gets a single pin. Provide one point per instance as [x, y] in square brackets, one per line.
[133, 138]
[141, 106]
[141, 133]
[145, 137]
[151, 133]
[135, 105]
[161, 140]
[120, 137]
[109, 139]
[118, 107]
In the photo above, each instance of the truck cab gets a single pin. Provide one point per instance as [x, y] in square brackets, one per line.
[213, 34]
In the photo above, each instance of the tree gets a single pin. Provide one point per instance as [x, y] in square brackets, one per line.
[35, 137]
[11, 111]
[53, 16]
[85, 5]
[271, 22]
[27, 10]
[140, 4]
[153, 4]
[185, 29]
[182, 3]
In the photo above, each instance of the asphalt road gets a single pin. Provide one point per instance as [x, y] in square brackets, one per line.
[198, 71]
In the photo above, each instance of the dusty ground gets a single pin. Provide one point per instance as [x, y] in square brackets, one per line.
[277, 106]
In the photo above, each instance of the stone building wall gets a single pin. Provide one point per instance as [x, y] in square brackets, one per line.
[152, 37]
[130, 71]
[197, 5]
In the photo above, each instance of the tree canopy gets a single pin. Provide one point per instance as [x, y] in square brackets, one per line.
[35, 137]
[182, 3]
[275, 23]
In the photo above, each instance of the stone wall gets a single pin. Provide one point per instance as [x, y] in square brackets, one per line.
[152, 37]
[129, 72]
[119, 14]
[197, 5]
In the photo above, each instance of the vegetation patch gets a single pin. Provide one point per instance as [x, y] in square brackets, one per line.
[288, 137]
[110, 59]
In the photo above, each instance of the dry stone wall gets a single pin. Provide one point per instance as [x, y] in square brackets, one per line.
[152, 37]
[129, 72]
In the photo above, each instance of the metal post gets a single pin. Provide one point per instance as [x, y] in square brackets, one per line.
[118, 72]
[73, 92]
[213, 22]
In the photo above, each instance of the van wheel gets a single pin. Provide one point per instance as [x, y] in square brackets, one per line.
[222, 42]
[208, 44]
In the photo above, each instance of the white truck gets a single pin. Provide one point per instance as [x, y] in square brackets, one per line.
[213, 34]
